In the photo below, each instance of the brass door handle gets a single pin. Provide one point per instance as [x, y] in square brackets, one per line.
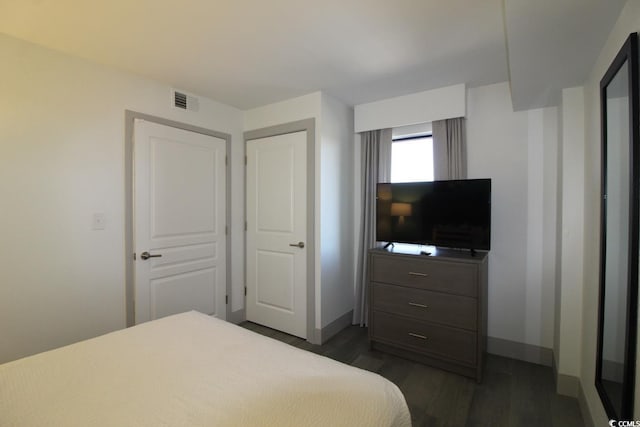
[299, 245]
[147, 255]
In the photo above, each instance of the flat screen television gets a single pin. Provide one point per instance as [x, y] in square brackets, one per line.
[453, 214]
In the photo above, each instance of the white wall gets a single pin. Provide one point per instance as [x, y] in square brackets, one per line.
[497, 149]
[337, 196]
[291, 110]
[629, 21]
[516, 150]
[558, 242]
[572, 228]
[550, 210]
[541, 232]
[61, 160]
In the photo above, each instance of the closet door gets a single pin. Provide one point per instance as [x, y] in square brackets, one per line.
[277, 232]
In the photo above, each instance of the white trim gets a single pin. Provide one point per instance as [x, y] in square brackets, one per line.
[422, 107]
[412, 130]
[130, 117]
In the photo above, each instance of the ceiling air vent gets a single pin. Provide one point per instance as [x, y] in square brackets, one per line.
[185, 102]
[180, 100]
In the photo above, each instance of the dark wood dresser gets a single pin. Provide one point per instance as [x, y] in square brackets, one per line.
[430, 308]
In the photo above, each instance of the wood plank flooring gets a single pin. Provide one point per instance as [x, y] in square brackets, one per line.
[513, 393]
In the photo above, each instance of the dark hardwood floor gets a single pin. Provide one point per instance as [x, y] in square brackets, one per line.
[513, 393]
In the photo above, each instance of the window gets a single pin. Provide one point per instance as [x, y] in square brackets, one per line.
[412, 159]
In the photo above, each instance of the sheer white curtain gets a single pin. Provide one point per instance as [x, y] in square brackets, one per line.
[376, 167]
[449, 149]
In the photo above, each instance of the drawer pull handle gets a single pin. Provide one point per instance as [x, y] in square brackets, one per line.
[415, 304]
[413, 273]
[422, 337]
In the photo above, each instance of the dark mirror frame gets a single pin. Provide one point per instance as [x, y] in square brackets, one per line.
[621, 407]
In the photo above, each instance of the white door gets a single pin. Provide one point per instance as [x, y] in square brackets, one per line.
[179, 220]
[277, 232]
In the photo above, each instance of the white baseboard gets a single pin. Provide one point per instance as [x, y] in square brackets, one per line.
[520, 351]
[568, 385]
[584, 407]
[237, 316]
[321, 336]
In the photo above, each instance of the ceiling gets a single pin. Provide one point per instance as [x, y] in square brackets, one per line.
[248, 53]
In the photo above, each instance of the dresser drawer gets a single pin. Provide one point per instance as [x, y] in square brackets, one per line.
[441, 341]
[421, 273]
[452, 310]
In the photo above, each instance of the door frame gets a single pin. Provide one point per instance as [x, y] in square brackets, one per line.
[129, 126]
[309, 126]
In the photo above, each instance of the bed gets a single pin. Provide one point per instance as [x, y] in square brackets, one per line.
[192, 370]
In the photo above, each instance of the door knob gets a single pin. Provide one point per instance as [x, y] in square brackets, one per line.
[147, 255]
[299, 245]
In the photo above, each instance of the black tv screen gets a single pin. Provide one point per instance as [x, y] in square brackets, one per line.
[454, 214]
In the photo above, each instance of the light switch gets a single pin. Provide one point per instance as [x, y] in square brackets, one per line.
[99, 221]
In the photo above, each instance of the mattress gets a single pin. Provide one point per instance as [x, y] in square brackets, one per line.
[192, 370]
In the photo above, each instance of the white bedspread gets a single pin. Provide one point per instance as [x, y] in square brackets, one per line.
[192, 370]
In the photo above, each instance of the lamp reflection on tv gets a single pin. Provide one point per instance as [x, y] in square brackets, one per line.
[401, 210]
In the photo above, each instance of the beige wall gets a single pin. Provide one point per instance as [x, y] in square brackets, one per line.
[629, 21]
[518, 151]
[571, 268]
[61, 161]
[337, 204]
